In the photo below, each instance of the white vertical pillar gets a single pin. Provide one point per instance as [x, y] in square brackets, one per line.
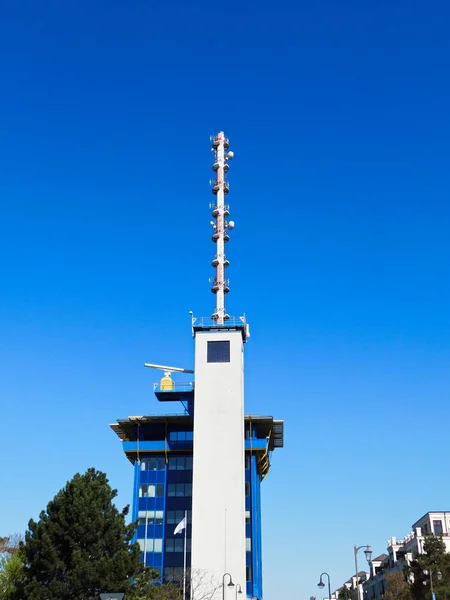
[218, 503]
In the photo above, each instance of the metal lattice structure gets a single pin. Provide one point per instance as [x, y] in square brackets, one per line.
[220, 212]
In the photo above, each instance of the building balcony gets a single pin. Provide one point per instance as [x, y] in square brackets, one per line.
[177, 392]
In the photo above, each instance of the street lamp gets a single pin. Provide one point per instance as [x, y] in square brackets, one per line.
[231, 584]
[238, 590]
[438, 576]
[368, 553]
[322, 585]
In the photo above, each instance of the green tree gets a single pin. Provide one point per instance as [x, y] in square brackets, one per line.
[345, 593]
[144, 587]
[80, 546]
[11, 573]
[397, 587]
[434, 560]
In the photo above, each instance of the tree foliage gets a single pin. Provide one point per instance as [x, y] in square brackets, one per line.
[11, 574]
[10, 544]
[143, 587]
[345, 593]
[397, 588]
[80, 546]
[435, 559]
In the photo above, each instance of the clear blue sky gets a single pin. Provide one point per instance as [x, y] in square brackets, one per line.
[338, 113]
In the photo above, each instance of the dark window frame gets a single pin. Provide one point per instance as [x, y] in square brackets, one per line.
[218, 351]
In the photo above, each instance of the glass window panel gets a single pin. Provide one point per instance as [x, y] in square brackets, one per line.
[161, 463]
[218, 352]
[248, 572]
[180, 463]
[143, 490]
[158, 517]
[179, 489]
[171, 489]
[437, 525]
[146, 545]
[146, 516]
[247, 488]
[188, 489]
[143, 464]
[247, 516]
[169, 545]
[188, 463]
[179, 545]
[159, 490]
[189, 436]
[172, 463]
[152, 463]
[248, 544]
[157, 546]
[151, 490]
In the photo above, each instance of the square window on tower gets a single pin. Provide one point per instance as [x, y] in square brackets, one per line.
[219, 352]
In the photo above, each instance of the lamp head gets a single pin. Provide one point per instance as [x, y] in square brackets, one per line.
[439, 575]
[321, 583]
[368, 553]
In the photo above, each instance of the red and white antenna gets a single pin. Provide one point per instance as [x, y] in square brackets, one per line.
[220, 212]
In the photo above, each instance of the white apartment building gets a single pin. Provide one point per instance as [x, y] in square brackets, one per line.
[401, 552]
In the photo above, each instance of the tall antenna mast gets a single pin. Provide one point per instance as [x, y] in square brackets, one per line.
[220, 211]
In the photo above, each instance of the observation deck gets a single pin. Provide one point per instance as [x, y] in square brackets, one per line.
[182, 392]
[230, 324]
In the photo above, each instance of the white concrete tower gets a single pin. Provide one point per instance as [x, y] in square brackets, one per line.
[218, 502]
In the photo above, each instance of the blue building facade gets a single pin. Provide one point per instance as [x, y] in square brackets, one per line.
[161, 450]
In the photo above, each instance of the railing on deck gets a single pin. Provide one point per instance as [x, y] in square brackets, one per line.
[177, 388]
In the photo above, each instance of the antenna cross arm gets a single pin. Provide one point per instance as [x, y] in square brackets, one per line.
[165, 368]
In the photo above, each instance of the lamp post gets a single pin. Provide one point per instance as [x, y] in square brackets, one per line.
[322, 585]
[368, 553]
[231, 584]
[238, 590]
[438, 576]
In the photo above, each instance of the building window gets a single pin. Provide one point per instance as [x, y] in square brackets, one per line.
[173, 574]
[151, 490]
[248, 573]
[247, 488]
[181, 436]
[153, 463]
[219, 352]
[150, 517]
[247, 516]
[437, 526]
[150, 544]
[180, 463]
[248, 544]
[173, 517]
[179, 489]
[177, 544]
[247, 461]
[146, 545]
